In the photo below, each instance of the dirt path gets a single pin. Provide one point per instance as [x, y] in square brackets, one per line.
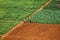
[42, 7]
[31, 14]
[34, 31]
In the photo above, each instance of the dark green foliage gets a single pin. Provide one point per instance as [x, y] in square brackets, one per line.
[49, 15]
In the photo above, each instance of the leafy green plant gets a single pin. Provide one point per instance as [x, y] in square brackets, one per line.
[14, 11]
[49, 15]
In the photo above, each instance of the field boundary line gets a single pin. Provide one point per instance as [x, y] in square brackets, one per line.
[39, 9]
[23, 22]
[18, 25]
[9, 33]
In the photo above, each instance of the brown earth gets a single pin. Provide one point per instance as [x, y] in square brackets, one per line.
[34, 31]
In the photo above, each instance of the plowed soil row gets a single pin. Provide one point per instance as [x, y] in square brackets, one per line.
[36, 11]
[34, 31]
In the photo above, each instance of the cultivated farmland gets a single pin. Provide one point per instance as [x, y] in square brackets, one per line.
[49, 15]
[13, 11]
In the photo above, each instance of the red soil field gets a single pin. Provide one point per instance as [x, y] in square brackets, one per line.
[34, 31]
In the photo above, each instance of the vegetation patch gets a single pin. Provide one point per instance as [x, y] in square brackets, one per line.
[49, 15]
[14, 11]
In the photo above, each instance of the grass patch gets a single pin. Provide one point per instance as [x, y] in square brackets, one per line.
[14, 11]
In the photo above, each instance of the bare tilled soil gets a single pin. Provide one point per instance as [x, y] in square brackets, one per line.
[34, 31]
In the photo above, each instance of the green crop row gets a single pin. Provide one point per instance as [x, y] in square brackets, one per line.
[14, 11]
[49, 15]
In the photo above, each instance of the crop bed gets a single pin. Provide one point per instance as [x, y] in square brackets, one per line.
[34, 31]
[13, 11]
[49, 15]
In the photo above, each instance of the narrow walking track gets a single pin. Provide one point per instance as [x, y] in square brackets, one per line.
[34, 12]
[35, 31]
[42, 7]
